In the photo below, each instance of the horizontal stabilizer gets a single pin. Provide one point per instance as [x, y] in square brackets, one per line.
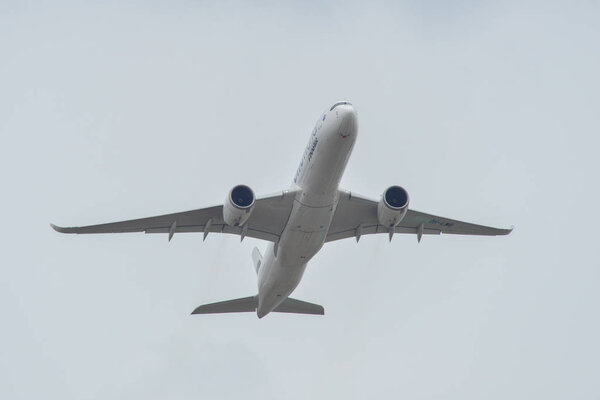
[299, 307]
[246, 304]
[250, 304]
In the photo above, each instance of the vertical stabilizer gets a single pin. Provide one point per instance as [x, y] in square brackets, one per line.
[257, 258]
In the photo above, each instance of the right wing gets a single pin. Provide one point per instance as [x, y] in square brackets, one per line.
[266, 222]
[356, 215]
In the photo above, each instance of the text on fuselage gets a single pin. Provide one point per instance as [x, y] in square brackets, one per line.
[308, 152]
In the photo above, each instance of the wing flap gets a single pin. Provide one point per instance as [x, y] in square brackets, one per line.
[218, 228]
[372, 229]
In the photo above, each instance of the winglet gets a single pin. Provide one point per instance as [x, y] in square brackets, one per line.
[59, 228]
[504, 231]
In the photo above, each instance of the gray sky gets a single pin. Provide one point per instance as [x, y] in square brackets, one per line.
[486, 112]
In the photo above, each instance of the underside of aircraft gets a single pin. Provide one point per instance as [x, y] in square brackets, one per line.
[298, 221]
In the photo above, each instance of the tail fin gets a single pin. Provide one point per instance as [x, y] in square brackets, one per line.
[257, 258]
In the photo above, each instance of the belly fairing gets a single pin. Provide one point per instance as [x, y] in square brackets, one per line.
[305, 232]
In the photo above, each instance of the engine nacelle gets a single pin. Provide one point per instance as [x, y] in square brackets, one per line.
[238, 205]
[393, 206]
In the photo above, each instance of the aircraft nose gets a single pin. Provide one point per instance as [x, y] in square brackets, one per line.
[347, 119]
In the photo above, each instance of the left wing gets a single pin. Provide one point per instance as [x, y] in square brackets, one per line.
[266, 222]
[356, 216]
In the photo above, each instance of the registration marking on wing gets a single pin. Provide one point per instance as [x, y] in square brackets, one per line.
[438, 222]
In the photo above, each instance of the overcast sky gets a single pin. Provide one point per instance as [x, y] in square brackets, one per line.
[484, 111]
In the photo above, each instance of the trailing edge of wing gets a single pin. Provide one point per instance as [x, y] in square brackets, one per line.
[372, 229]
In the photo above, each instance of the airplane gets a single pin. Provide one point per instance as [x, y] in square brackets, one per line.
[297, 222]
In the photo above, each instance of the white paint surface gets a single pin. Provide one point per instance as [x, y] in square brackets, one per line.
[483, 111]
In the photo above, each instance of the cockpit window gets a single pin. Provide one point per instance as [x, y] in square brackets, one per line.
[339, 104]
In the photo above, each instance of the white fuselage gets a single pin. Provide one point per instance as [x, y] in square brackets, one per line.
[316, 181]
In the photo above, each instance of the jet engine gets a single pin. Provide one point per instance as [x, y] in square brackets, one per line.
[392, 207]
[238, 205]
